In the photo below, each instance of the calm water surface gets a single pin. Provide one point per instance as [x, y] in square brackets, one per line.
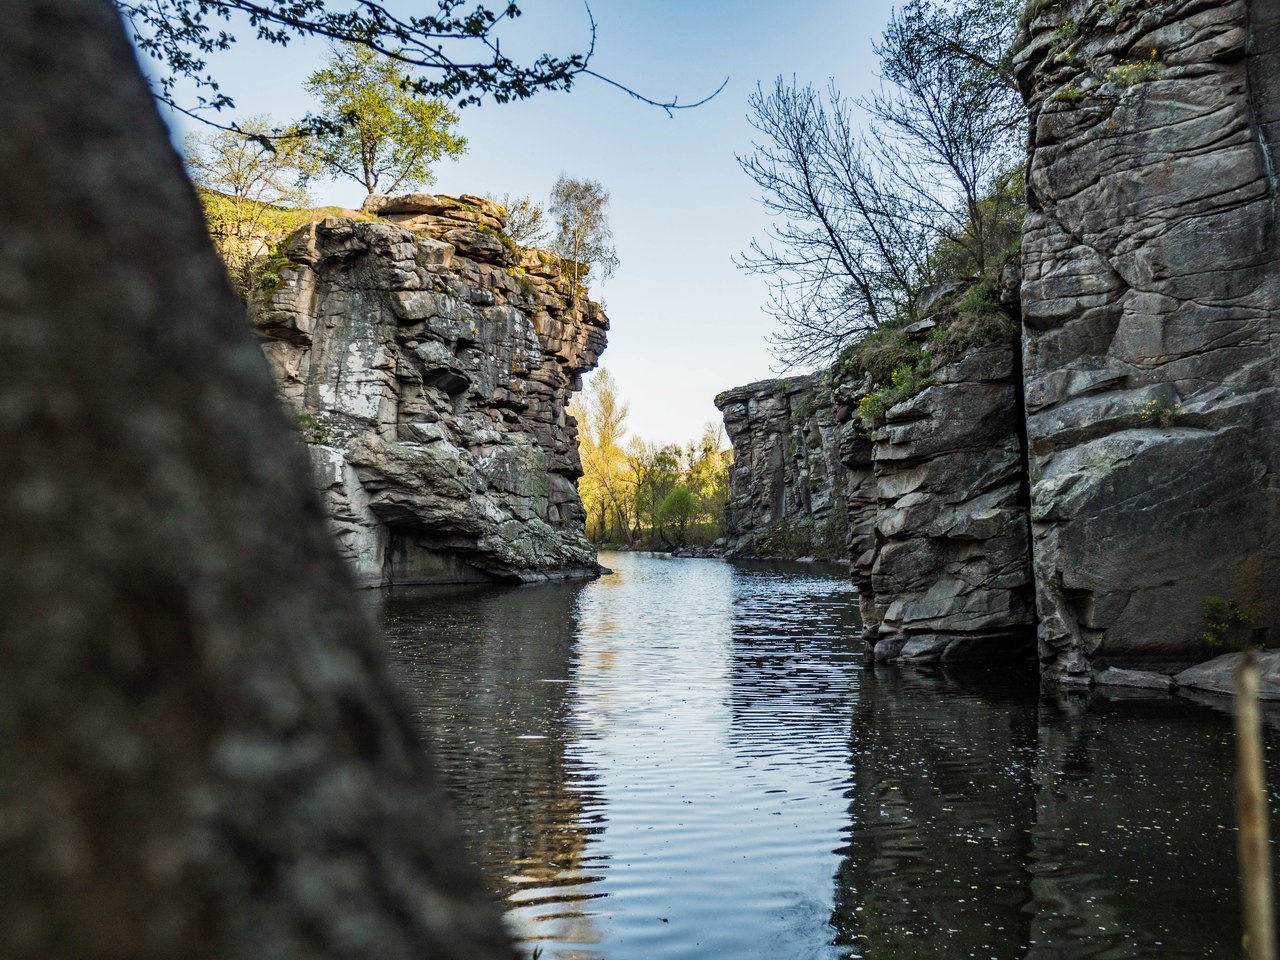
[689, 759]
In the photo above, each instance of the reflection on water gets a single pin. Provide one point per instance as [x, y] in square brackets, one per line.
[676, 760]
[940, 816]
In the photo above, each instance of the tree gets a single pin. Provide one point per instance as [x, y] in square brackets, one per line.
[374, 129]
[866, 217]
[845, 251]
[606, 485]
[244, 183]
[707, 476]
[525, 220]
[656, 471]
[457, 55]
[202, 754]
[952, 108]
[678, 508]
[583, 236]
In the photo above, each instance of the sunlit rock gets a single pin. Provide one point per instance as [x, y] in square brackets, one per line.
[429, 370]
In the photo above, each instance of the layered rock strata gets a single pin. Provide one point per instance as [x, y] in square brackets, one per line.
[1150, 304]
[786, 484]
[933, 501]
[429, 362]
[940, 551]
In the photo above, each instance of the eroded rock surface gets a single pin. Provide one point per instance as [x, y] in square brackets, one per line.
[786, 485]
[948, 548]
[430, 363]
[1150, 286]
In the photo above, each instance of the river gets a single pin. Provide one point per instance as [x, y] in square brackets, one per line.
[690, 759]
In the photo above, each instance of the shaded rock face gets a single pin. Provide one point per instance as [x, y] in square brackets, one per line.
[786, 485]
[941, 545]
[430, 372]
[1150, 280]
[934, 502]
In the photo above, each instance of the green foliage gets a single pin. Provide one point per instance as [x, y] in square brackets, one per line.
[806, 537]
[1127, 73]
[454, 50]
[1220, 614]
[374, 129]
[583, 236]
[527, 286]
[311, 429]
[1070, 94]
[503, 238]
[879, 353]
[975, 320]
[676, 510]
[249, 192]
[268, 273]
[525, 220]
[1160, 414]
[904, 382]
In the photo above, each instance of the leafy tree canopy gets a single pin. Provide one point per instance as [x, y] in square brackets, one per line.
[583, 234]
[374, 128]
[526, 220]
[248, 190]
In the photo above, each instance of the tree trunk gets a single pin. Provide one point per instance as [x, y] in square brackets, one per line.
[201, 754]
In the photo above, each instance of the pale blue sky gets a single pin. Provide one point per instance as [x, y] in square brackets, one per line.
[686, 323]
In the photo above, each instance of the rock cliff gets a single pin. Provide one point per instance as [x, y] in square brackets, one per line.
[1140, 422]
[940, 554]
[1149, 306]
[786, 485]
[429, 362]
[932, 500]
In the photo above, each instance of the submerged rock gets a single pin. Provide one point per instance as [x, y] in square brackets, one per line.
[430, 373]
[1141, 679]
[1219, 675]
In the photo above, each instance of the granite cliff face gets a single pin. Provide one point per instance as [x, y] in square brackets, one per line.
[1149, 307]
[1140, 421]
[932, 503]
[786, 486]
[940, 541]
[430, 363]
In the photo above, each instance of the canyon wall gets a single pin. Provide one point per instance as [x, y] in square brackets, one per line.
[1139, 422]
[941, 556]
[786, 485]
[1149, 309]
[931, 500]
[429, 363]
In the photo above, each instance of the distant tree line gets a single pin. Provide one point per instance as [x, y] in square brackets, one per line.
[641, 494]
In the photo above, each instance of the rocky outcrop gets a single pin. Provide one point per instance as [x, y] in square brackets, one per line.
[943, 563]
[429, 362]
[933, 499]
[1149, 304]
[786, 485]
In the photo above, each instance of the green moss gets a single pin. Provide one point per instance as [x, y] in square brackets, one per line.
[311, 429]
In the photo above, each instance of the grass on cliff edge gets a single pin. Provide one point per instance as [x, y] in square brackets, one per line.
[899, 364]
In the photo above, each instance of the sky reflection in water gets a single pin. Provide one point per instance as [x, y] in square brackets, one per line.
[687, 759]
